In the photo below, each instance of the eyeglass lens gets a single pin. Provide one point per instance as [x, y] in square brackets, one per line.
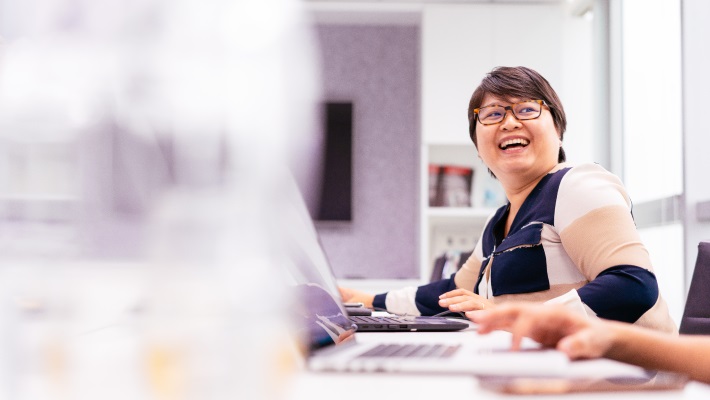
[522, 111]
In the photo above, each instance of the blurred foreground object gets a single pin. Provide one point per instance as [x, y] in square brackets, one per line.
[145, 149]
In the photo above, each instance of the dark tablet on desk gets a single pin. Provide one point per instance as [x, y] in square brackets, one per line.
[396, 323]
[358, 311]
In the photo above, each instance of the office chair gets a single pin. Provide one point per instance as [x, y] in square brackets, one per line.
[437, 272]
[696, 316]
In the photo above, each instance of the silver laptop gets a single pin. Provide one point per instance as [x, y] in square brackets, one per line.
[332, 342]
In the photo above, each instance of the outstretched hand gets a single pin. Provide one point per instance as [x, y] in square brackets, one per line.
[356, 296]
[463, 300]
[552, 326]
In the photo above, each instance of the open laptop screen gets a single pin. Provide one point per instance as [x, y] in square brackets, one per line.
[322, 318]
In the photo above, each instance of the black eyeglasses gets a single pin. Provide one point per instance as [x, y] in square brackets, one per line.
[491, 115]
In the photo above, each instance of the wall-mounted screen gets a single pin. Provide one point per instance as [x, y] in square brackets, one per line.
[336, 193]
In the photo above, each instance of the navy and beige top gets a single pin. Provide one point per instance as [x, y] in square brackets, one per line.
[573, 241]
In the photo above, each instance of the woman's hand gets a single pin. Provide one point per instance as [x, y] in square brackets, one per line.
[549, 325]
[356, 296]
[463, 300]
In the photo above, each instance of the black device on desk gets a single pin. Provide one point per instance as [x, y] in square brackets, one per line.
[362, 317]
[357, 309]
[408, 323]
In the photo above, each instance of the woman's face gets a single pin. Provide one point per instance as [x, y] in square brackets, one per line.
[518, 150]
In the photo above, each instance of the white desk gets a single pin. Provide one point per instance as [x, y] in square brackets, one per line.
[359, 386]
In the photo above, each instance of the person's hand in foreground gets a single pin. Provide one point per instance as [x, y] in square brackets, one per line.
[552, 326]
[581, 337]
[356, 296]
[463, 300]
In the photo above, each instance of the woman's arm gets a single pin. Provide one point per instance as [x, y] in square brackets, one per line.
[422, 300]
[621, 293]
[655, 350]
[583, 338]
[596, 228]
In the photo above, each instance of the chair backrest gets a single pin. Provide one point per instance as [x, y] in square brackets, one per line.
[696, 317]
[437, 272]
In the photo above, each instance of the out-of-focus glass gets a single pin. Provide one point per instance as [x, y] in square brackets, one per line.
[142, 179]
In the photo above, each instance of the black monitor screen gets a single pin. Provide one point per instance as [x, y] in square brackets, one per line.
[336, 194]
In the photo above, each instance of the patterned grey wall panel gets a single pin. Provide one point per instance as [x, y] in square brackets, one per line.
[377, 68]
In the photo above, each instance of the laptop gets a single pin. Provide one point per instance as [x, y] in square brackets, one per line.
[367, 322]
[332, 345]
[331, 338]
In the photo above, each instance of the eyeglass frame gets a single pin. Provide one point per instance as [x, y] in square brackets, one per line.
[476, 111]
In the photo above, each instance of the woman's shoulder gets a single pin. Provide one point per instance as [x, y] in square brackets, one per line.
[591, 179]
[587, 172]
[587, 166]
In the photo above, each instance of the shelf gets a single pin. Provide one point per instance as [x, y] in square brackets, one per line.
[473, 212]
[375, 286]
[460, 215]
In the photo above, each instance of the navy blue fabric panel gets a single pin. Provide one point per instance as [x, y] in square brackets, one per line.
[379, 302]
[530, 235]
[427, 297]
[489, 237]
[484, 264]
[519, 262]
[622, 293]
[540, 204]
[521, 270]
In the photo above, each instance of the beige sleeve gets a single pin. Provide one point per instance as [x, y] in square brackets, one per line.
[593, 218]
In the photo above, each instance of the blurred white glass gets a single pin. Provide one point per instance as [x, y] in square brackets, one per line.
[145, 148]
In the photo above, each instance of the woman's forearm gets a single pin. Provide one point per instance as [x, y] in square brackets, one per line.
[686, 354]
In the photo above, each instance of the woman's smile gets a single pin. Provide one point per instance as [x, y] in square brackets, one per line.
[513, 143]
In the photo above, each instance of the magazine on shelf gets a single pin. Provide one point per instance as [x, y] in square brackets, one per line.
[450, 185]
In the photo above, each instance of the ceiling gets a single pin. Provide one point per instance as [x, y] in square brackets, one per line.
[434, 1]
[392, 12]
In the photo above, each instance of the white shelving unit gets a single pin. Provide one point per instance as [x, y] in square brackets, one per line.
[454, 228]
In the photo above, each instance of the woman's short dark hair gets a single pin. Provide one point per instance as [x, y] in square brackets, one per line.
[521, 83]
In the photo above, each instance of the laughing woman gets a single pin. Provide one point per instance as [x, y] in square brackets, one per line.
[566, 234]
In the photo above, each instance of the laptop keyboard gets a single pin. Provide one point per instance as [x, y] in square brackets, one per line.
[411, 351]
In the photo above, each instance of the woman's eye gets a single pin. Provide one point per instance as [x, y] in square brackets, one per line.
[492, 114]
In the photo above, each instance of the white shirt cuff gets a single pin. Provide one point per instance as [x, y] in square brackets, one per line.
[401, 301]
[572, 301]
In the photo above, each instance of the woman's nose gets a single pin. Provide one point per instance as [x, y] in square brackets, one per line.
[509, 121]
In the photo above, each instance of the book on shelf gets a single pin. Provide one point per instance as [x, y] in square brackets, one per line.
[450, 185]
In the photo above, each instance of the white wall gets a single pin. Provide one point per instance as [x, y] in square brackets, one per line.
[696, 131]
